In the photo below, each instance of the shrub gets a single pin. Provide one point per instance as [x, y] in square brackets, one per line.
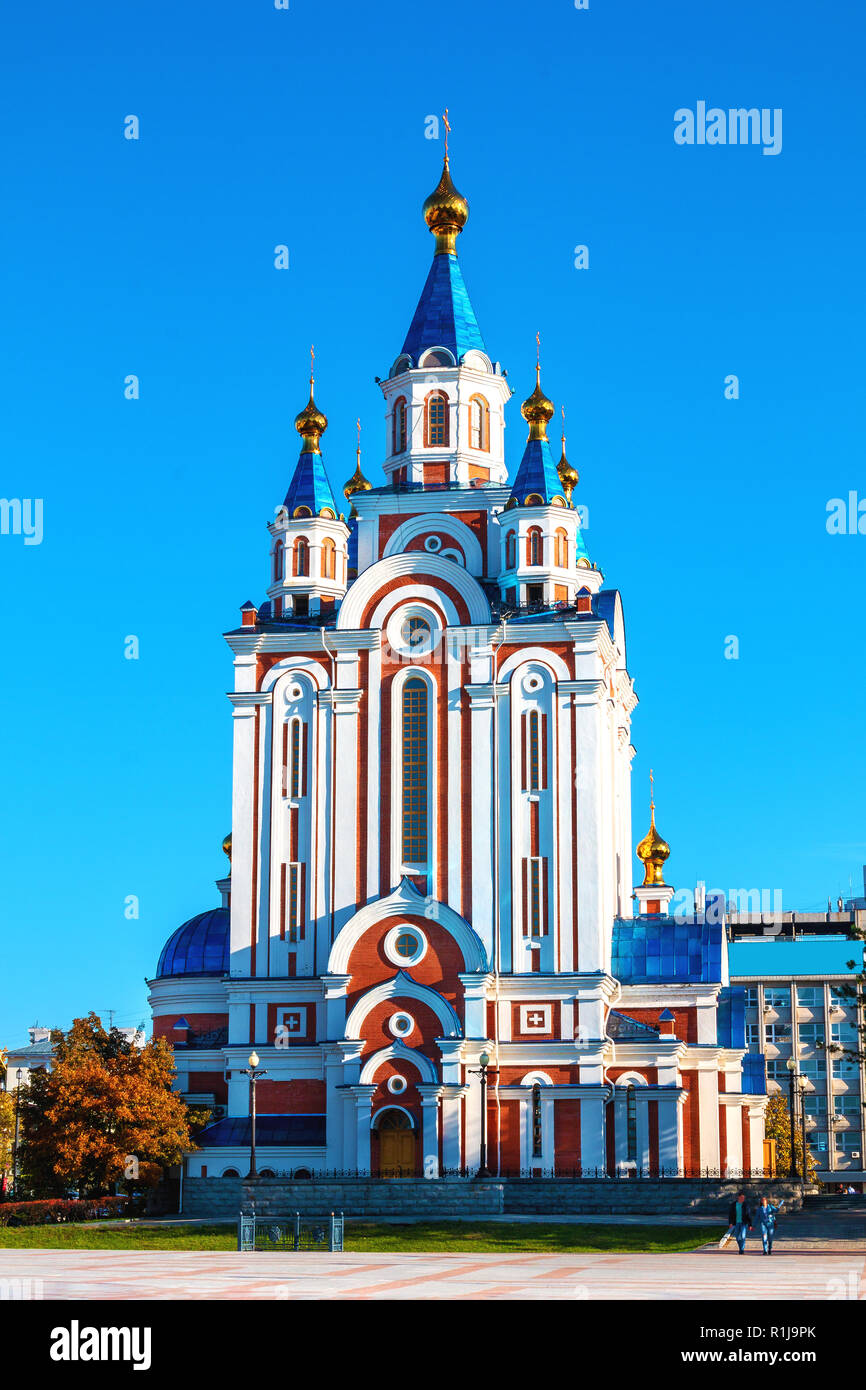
[66, 1209]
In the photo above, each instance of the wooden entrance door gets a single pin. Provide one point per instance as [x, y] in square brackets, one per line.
[396, 1145]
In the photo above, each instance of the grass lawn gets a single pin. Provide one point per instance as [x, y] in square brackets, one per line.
[434, 1236]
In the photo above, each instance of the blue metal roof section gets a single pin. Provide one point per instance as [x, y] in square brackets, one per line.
[271, 1130]
[537, 473]
[444, 316]
[198, 947]
[731, 1018]
[309, 486]
[754, 1081]
[646, 950]
[813, 956]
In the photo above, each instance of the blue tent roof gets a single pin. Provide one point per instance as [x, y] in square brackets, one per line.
[309, 486]
[444, 316]
[198, 947]
[650, 949]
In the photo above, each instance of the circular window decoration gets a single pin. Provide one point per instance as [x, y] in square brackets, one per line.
[532, 683]
[401, 1025]
[413, 632]
[405, 945]
[432, 543]
[296, 693]
[397, 1085]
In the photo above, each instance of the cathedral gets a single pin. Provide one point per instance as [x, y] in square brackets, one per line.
[429, 935]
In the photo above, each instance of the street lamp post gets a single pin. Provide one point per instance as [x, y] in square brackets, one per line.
[18, 1075]
[792, 1166]
[253, 1071]
[802, 1090]
[483, 1064]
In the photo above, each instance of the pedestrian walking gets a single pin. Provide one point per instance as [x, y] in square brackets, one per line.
[767, 1213]
[740, 1220]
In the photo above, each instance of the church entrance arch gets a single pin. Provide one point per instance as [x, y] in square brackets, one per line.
[397, 1143]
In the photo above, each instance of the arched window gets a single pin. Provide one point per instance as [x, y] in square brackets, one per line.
[294, 770]
[533, 750]
[537, 1146]
[479, 423]
[302, 557]
[560, 549]
[414, 752]
[400, 430]
[510, 551]
[533, 546]
[278, 561]
[436, 420]
[329, 559]
[631, 1123]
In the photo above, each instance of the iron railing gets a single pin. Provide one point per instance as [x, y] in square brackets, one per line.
[269, 1233]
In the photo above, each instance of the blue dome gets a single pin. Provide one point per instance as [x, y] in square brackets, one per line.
[199, 947]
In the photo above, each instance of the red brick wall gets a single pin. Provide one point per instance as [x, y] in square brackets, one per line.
[747, 1138]
[377, 1034]
[653, 1122]
[207, 1082]
[368, 965]
[685, 1020]
[552, 1032]
[561, 1076]
[509, 1134]
[300, 1097]
[691, 1121]
[309, 1034]
[566, 1134]
[163, 1025]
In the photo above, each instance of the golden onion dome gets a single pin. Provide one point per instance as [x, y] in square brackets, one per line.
[537, 409]
[653, 851]
[227, 848]
[357, 482]
[568, 476]
[311, 424]
[445, 212]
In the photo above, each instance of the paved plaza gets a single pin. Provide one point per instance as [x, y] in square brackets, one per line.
[112, 1274]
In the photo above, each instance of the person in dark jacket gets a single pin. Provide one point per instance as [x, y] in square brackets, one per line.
[740, 1220]
[767, 1213]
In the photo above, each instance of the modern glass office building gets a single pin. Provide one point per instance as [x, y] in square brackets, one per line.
[795, 975]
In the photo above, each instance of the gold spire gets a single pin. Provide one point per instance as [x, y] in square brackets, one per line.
[568, 476]
[653, 850]
[446, 210]
[357, 482]
[311, 423]
[537, 409]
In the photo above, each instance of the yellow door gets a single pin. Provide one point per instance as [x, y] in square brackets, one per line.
[396, 1146]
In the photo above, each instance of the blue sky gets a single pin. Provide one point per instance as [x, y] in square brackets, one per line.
[307, 127]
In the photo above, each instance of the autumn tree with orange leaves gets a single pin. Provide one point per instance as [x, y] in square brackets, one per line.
[104, 1113]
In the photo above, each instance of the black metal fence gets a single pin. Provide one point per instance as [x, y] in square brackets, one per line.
[626, 1173]
[270, 1233]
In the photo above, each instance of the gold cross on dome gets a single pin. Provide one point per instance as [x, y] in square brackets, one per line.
[652, 802]
[447, 125]
[312, 360]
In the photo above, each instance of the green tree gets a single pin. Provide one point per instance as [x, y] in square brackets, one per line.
[104, 1113]
[777, 1125]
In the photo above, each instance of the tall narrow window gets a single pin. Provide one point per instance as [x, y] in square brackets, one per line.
[302, 557]
[536, 1122]
[534, 750]
[415, 719]
[278, 561]
[560, 550]
[295, 916]
[329, 559]
[631, 1123]
[436, 420]
[400, 426]
[479, 423]
[533, 546]
[295, 768]
[510, 551]
[534, 913]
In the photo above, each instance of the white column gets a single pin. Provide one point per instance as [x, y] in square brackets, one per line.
[593, 1118]
[756, 1136]
[363, 1098]
[708, 1115]
[430, 1093]
[243, 772]
[345, 704]
[481, 699]
[452, 1099]
[593, 950]
[669, 1113]
[733, 1155]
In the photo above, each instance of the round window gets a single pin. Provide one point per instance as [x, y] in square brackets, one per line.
[416, 632]
[433, 543]
[397, 1085]
[405, 945]
[401, 1025]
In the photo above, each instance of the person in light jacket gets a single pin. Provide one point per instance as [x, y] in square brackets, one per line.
[740, 1220]
[767, 1213]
